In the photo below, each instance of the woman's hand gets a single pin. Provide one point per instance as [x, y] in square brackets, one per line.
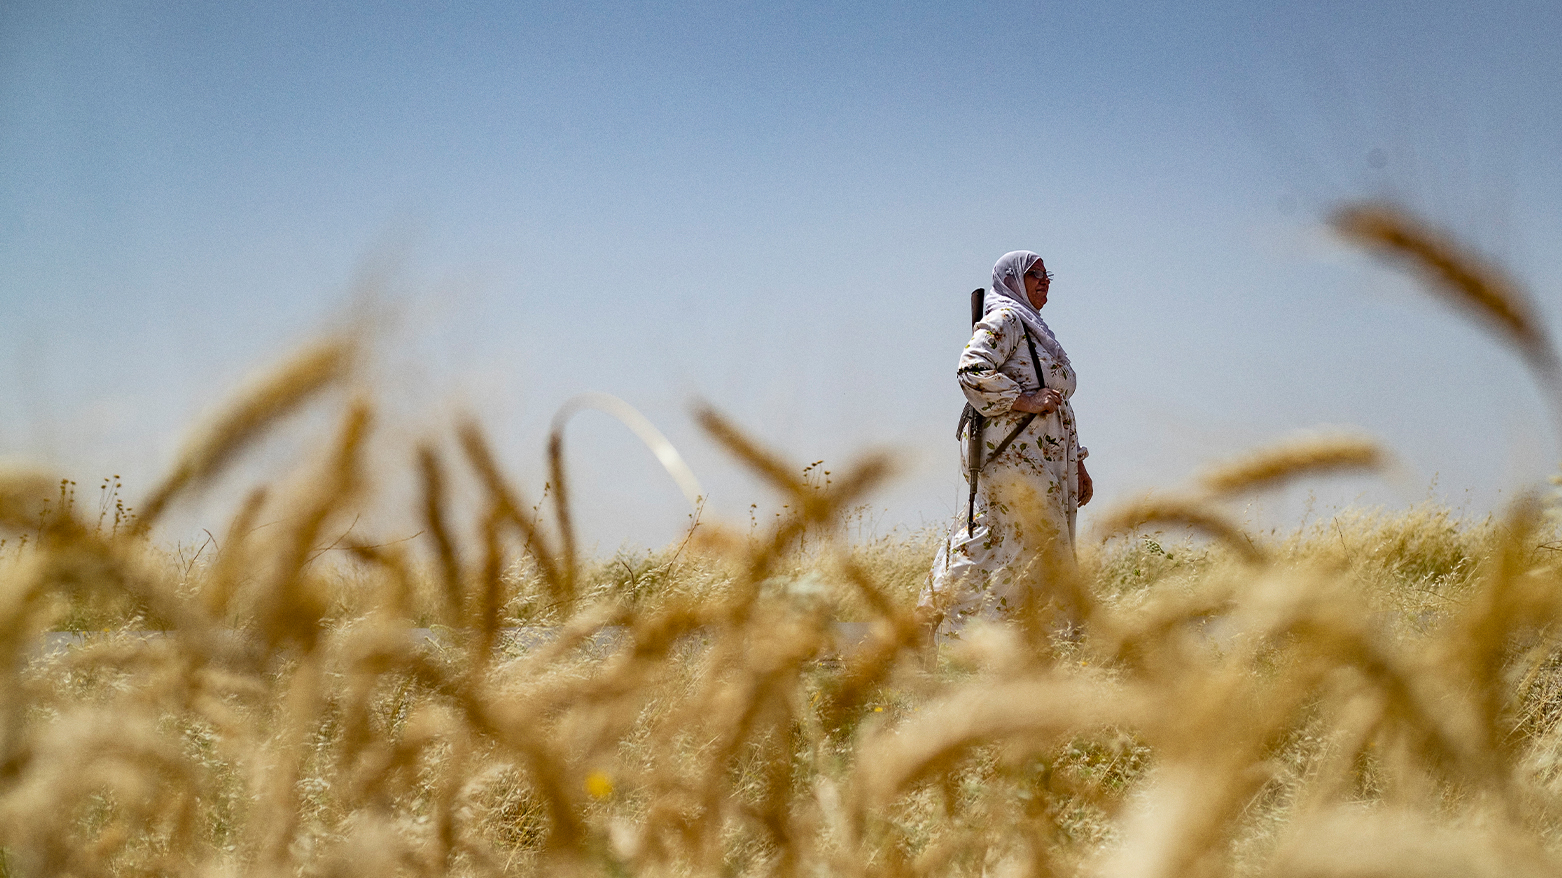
[1043, 402]
[1087, 488]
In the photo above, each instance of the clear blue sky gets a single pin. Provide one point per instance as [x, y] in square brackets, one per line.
[779, 208]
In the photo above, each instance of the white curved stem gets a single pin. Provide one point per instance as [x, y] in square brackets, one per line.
[643, 429]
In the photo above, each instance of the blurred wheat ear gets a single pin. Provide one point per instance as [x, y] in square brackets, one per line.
[23, 492]
[1468, 282]
[274, 395]
[1187, 512]
[1303, 456]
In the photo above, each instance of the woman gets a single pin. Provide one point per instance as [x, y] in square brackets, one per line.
[1029, 492]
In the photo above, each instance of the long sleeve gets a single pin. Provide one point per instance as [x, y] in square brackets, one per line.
[996, 336]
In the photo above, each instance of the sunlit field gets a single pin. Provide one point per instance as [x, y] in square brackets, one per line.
[1375, 694]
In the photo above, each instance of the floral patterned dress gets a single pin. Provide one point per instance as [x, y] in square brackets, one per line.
[1027, 497]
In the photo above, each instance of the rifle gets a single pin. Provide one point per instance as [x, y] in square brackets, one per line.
[978, 422]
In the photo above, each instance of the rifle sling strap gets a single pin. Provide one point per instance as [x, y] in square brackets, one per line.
[972, 417]
[1019, 428]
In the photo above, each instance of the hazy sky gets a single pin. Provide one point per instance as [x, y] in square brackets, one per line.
[779, 208]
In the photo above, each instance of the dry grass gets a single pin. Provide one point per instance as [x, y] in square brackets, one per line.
[1376, 695]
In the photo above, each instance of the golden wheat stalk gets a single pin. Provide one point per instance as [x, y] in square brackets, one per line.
[1189, 512]
[1044, 706]
[24, 494]
[489, 600]
[1303, 456]
[508, 503]
[1513, 602]
[816, 505]
[556, 475]
[764, 461]
[812, 507]
[1353, 838]
[434, 521]
[275, 394]
[293, 605]
[233, 556]
[1463, 279]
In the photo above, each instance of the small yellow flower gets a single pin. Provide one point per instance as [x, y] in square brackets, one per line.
[878, 710]
[599, 785]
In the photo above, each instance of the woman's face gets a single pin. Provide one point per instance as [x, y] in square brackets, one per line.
[1036, 284]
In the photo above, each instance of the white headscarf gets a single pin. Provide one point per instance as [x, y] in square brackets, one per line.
[1009, 289]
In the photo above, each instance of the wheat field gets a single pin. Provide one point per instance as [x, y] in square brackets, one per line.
[1378, 694]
